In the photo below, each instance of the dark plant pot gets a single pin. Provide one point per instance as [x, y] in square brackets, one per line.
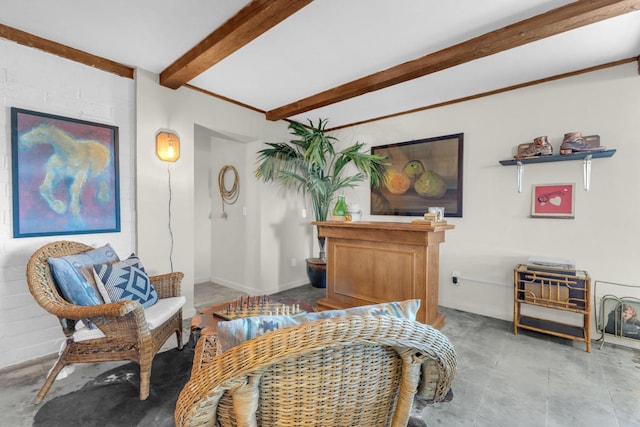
[317, 272]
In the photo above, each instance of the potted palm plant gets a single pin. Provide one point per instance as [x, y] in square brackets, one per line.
[311, 164]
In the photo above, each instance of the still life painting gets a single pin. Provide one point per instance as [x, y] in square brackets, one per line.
[420, 174]
[65, 175]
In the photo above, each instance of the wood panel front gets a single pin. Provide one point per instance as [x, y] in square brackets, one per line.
[371, 263]
[365, 273]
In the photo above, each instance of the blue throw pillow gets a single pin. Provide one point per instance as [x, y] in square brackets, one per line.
[127, 280]
[71, 274]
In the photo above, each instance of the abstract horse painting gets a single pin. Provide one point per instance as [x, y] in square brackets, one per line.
[73, 173]
[76, 159]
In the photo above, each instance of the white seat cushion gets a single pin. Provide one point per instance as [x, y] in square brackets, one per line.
[83, 333]
[156, 315]
[161, 311]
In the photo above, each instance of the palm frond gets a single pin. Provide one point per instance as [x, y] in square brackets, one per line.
[371, 165]
[310, 163]
[280, 156]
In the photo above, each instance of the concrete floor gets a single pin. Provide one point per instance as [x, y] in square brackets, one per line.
[503, 379]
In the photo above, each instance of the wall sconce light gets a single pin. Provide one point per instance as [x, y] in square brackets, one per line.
[168, 150]
[167, 146]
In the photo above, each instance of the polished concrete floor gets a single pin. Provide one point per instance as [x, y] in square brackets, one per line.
[503, 379]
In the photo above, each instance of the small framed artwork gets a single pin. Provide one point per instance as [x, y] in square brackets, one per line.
[421, 174]
[553, 201]
[65, 175]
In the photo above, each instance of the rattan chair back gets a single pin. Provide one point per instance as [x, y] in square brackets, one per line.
[349, 371]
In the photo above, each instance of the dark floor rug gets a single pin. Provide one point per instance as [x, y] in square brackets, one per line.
[112, 398]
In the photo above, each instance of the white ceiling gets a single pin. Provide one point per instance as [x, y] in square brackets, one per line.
[326, 44]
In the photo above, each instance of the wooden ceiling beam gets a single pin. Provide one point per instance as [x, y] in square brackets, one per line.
[30, 40]
[250, 22]
[571, 16]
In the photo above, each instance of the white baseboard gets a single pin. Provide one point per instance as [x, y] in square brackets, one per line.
[262, 291]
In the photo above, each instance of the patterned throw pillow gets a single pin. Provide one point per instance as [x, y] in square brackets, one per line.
[71, 274]
[235, 332]
[127, 280]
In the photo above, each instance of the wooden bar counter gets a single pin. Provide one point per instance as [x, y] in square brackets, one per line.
[374, 262]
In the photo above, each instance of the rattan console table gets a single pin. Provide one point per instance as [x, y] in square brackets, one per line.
[556, 289]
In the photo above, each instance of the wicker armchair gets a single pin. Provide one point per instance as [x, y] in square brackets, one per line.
[126, 333]
[348, 371]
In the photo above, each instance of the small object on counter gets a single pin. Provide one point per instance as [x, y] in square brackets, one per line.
[428, 222]
[354, 212]
[438, 212]
[340, 210]
[430, 216]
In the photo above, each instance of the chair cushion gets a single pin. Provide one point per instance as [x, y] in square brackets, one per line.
[84, 333]
[127, 280]
[237, 331]
[161, 311]
[156, 315]
[72, 274]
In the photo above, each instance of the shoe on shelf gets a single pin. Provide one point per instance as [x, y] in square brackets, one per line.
[539, 147]
[574, 142]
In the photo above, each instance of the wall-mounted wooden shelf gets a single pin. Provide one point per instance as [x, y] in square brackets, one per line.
[585, 157]
[558, 157]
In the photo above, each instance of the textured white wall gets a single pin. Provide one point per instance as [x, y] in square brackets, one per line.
[37, 81]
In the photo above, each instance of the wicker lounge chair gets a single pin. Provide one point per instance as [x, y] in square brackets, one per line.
[346, 371]
[127, 335]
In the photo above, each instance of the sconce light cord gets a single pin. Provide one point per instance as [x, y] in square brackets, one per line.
[170, 230]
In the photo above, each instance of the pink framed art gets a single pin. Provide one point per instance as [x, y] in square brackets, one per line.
[553, 201]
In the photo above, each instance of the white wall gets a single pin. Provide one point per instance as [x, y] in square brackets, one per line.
[228, 234]
[256, 269]
[37, 81]
[203, 203]
[495, 232]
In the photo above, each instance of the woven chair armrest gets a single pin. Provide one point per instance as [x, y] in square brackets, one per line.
[116, 320]
[114, 309]
[207, 347]
[431, 376]
[167, 285]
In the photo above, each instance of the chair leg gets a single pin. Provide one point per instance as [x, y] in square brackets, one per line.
[179, 338]
[145, 379]
[53, 374]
